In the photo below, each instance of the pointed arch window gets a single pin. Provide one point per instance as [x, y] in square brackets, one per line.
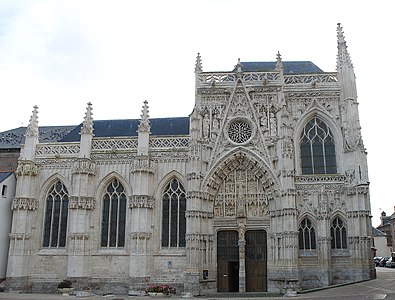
[113, 216]
[317, 148]
[307, 240]
[173, 215]
[338, 234]
[55, 217]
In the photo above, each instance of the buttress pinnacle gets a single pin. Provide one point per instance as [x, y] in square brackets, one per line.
[32, 128]
[87, 125]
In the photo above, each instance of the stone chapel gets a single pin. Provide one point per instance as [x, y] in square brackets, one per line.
[263, 188]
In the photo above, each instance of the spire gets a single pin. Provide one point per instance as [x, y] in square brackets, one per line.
[279, 63]
[32, 128]
[198, 65]
[144, 122]
[343, 57]
[87, 125]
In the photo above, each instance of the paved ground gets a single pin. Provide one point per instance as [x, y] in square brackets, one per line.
[381, 288]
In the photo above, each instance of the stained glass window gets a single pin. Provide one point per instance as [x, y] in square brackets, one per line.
[173, 215]
[317, 148]
[338, 234]
[56, 213]
[307, 239]
[113, 216]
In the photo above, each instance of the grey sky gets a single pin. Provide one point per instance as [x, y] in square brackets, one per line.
[61, 54]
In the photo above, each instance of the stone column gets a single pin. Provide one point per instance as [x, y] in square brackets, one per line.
[242, 250]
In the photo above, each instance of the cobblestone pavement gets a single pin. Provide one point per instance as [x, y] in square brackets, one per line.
[381, 288]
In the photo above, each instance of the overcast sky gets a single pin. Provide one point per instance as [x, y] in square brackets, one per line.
[60, 55]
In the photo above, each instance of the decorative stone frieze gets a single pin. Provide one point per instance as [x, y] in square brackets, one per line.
[140, 235]
[320, 178]
[19, 236]
[24, 203]
[141, 201]
[82, 202]
[283, 212]
[361, 189]
[78, 236]
[84, 166]
[142, 164]
[27, 168]
[358, 213]
[197, 194]
[194, 175]
[198, 214]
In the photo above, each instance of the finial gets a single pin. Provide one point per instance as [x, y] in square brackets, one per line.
[87, 125]
[343, 57]
[144, 122]
[32, 128]
[279, 63]
[198, 65]
[239, 67]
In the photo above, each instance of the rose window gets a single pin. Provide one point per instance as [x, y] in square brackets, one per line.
[239, 131]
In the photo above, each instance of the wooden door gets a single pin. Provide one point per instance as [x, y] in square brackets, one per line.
[227, 261]
[256, 261]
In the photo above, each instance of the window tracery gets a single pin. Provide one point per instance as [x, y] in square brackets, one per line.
[173, 215]
[338, 234]
[307, 239]
[239, 131]
[317, 148]
[113, 216]
[56, 214]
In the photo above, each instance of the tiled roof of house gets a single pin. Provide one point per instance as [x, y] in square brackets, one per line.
[4, 175]
[377, 232]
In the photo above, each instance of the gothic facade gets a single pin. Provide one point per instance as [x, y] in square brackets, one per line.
[263, 188]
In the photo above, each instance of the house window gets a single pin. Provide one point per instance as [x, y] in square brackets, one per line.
[306, 235]
[113, 216]
[317, 149]
[173, 215]
[4, 190]
[338, 234]
[56, 213]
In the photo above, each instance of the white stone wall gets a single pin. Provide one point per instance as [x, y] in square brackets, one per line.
[5, 220]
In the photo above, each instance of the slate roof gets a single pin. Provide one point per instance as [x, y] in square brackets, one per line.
[15, 137]
[4, 175]
[129, 127]
[290, 67]
[377, 232]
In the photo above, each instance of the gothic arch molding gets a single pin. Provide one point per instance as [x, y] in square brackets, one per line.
[107, 179]
[232, 160]
[50, 181]
[317, 111]
[166, 179]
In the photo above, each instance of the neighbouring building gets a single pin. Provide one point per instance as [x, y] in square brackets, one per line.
[380, 243]
[7, 190]
[388, 227]
[264, 187]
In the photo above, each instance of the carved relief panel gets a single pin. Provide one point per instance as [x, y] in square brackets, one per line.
[240, 195]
